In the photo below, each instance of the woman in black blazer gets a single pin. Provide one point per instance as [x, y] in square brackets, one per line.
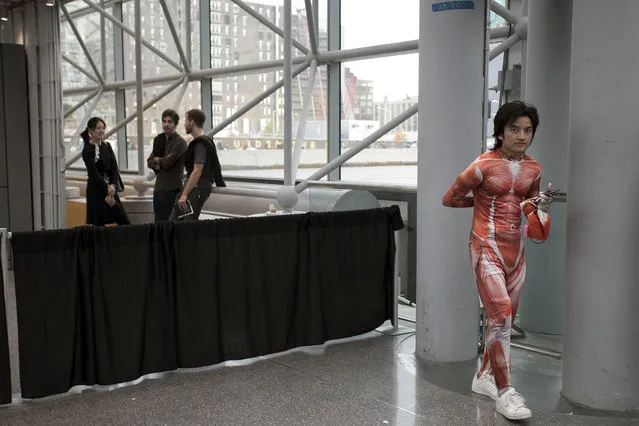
[103, 204]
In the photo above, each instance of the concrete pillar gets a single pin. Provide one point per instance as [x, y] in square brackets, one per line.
[451, 60]
[548, 88]
[601, 344]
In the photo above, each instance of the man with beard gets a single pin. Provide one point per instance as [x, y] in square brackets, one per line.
[168, 164]
[202, 168]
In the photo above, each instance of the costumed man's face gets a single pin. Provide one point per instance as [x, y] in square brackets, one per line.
[517, 136]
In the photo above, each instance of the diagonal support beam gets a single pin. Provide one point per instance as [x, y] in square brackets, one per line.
[312, 31]
[81, 69]
[178, 99]
[79, 104]
[503, 46]
[130, 32]
[301, 125]
[316, 17]
[146, 106]
[365, 143]
[360, 53]
[176, 37]
[81, 41]
[268, 92]
[82, 126]
[277, 30]
[195, 75]
[503, 12]
[130, 117]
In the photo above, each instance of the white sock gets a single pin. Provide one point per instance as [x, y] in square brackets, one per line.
[504, 390]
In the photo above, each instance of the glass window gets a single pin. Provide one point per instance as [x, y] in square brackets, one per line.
[374, 91]
[378, 23]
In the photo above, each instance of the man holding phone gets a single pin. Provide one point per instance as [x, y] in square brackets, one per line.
[202, 167]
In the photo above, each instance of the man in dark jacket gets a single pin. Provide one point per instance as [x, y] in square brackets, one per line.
[167, 161]
[202, 168]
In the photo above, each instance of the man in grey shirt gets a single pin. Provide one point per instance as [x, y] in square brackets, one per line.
[202, 166]
[167, 161]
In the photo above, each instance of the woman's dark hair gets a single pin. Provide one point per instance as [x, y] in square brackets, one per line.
[171, 113]
[93, 122]
[508, 114]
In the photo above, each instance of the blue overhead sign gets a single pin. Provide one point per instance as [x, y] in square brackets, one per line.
[453, 5]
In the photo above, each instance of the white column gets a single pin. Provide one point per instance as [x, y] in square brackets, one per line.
[451, 50]
[41, 37]
[601, 343]
[548, 88]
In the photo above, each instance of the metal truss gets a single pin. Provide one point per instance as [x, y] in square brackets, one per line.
[314, 58]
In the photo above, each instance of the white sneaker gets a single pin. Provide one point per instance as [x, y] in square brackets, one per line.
[512, 405]
[485, 385]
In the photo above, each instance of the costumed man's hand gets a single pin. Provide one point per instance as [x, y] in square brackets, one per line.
[545, 199]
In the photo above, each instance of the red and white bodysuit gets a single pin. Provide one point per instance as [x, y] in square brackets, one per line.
[499, 186]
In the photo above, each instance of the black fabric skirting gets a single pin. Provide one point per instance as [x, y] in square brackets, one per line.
[108, 305]
[5, 368]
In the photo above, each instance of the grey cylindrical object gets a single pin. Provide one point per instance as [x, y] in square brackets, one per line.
[601, 343]
[548, 88]
[333, 200]
[313, 199]
[450, 98]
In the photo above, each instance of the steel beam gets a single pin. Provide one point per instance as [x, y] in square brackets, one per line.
[277, 30]
[79, 104]
[301, 126]
[178, 99]
[503, 46]
[187, 31]
[81, 126]
[333, 69]
[312, 33]
[131, 117]
[504, 12]
[206, 84]
[176, 37]
[132, 33]
[288, 94]
[363, 144]
[500, 33]
[103, 48]
[138, 86]
[81, 69]
[120, 95]
[82, 45]
[268, 92]
[368, 52]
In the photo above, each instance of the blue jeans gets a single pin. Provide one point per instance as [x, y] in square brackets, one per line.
[197, 197]
[163, 202]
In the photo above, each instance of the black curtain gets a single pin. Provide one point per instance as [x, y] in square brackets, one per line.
[107, 305]
[5, 368]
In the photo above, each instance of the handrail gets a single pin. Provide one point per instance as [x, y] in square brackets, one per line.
[144, 184]
[361, 186]
[405, 189]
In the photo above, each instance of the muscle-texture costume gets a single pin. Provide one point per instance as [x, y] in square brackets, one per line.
[499, 188]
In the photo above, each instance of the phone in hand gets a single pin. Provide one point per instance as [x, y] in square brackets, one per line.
[187, 211]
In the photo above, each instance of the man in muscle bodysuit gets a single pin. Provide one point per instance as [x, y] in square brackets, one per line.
[500, 181]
